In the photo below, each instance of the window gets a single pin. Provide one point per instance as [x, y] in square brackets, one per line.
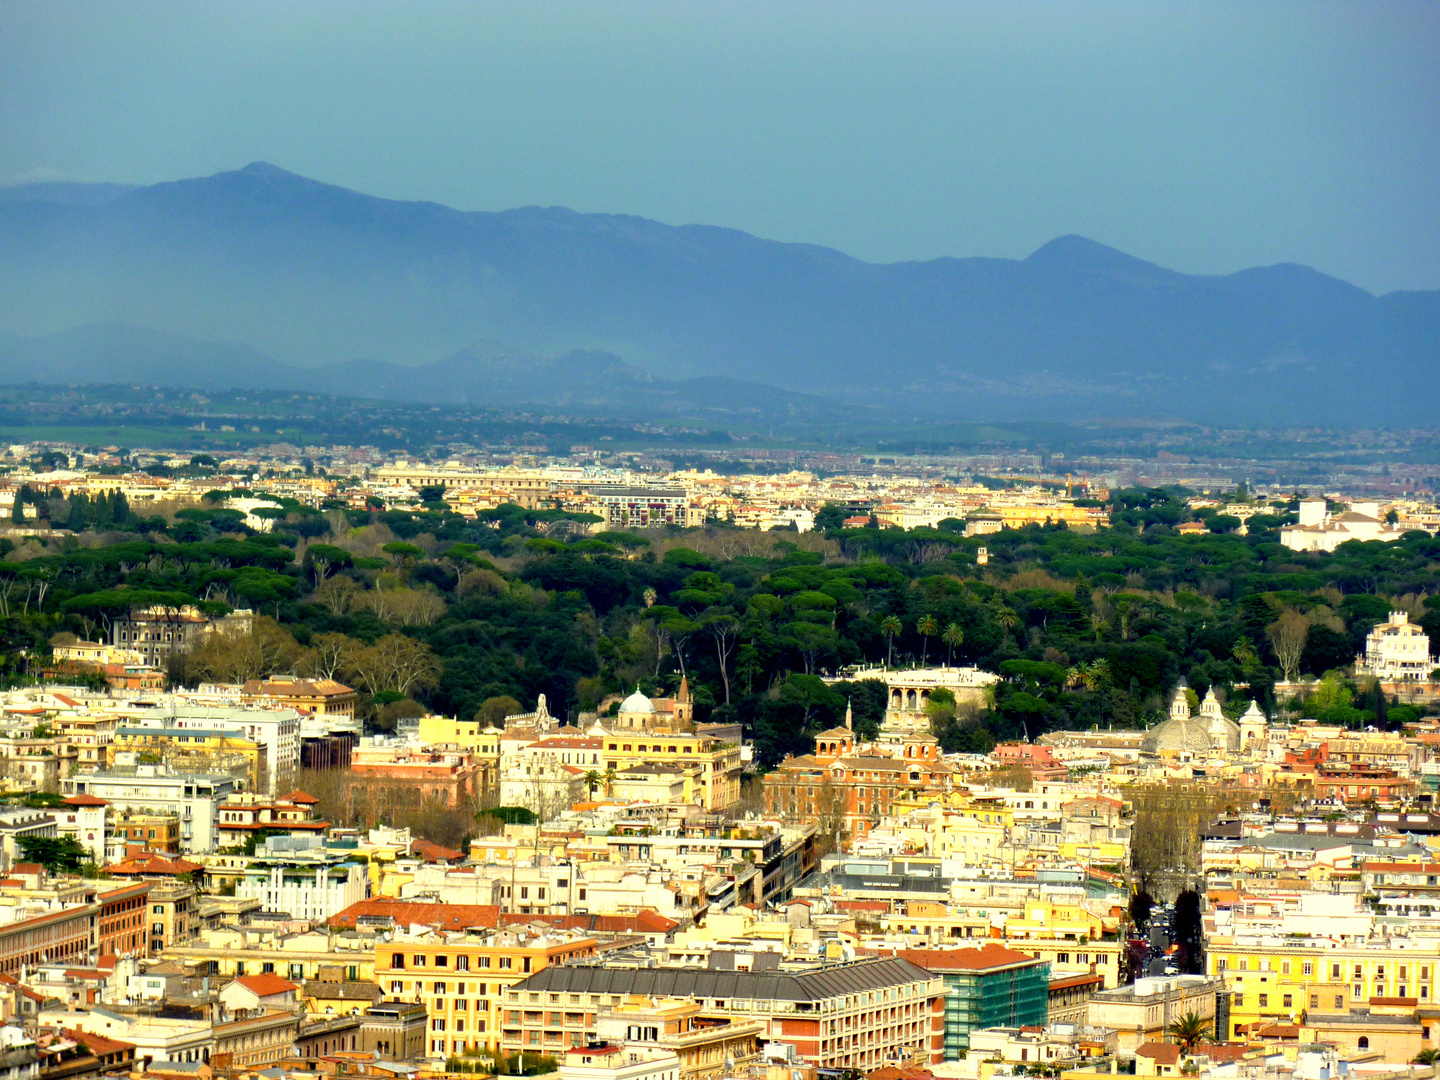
[417, 961]
[1239, 999]
[1288, 1002]
[1309, 968]
[1314, 1001]
[1264, 1000]
[437, 1024]
[397, 962]
[1339, 1001]
[505, 962]
[1364, 1043]
[462, 963]
[438, 988]
[442, 961]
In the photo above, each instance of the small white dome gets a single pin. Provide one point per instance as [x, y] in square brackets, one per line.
[637, 702]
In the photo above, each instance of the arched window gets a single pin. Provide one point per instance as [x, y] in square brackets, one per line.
[1364, 1043]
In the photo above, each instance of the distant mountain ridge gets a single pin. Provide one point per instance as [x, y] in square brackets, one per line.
[310, 274]
[486, 374]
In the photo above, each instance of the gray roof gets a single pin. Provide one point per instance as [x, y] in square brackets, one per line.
[817, 985]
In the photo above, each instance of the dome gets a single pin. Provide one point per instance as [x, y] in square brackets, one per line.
[637, 702]
[1179, 734]
[1208, 731]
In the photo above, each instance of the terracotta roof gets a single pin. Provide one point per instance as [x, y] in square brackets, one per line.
[405, 912]
[1160, 1053]
[296, 688]
[434, 852]
[1222, 1052]
[299, 798]
[152, 863]
[98, 1044]
[266, 985]
[85, 800]
[1076, 980]
[27, 868]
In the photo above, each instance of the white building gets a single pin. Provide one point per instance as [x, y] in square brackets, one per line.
[297, 875]
[1397, 651]
[610, 1062]
[1320, 530]
[195, 798]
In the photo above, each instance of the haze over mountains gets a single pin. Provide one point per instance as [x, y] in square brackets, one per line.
[317, 287]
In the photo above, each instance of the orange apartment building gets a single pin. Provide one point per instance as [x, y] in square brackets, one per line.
[839, 785]
[460, 976]
[122, 920]
[453, 778]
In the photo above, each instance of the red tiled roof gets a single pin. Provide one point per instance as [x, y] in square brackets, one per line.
[27, 868]
[434, 852]
[1161, 1053]
[1075, 980]
[85, 800]
[98, 1044]
[266, 985]
[151, 862]
[299, 798]
[404, 912]
[1222, 1052]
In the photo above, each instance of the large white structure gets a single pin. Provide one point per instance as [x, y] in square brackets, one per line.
[1320, 530]
[910, 692]
[195, 798]
[299, 876]
[1397, 651]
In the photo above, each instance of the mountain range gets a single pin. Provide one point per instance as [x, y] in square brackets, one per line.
[312, 286]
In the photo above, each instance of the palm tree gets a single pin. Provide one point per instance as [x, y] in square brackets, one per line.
[1189, 1030]
[952, 637]
[1427, 1057]
[928, 628]
[1008, 620]
[1243, 652]
[649, 596]
[890, 626]
[592, 781]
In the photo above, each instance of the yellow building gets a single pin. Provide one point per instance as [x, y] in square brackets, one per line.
[1042, 920]
[717, 786]
[194, 750]
[459, 978]
[469, 734]
[1282, 981]
[90, 735]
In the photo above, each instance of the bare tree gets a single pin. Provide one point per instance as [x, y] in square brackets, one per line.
[723, 627]
[1287, 637]
[1165, 836]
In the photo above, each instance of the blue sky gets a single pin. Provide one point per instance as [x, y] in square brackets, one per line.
[1204, 136]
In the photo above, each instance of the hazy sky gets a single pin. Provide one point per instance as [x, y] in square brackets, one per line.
[1205, 136]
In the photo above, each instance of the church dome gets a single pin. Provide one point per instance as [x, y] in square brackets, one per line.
[637, 703]
[1179, 734]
